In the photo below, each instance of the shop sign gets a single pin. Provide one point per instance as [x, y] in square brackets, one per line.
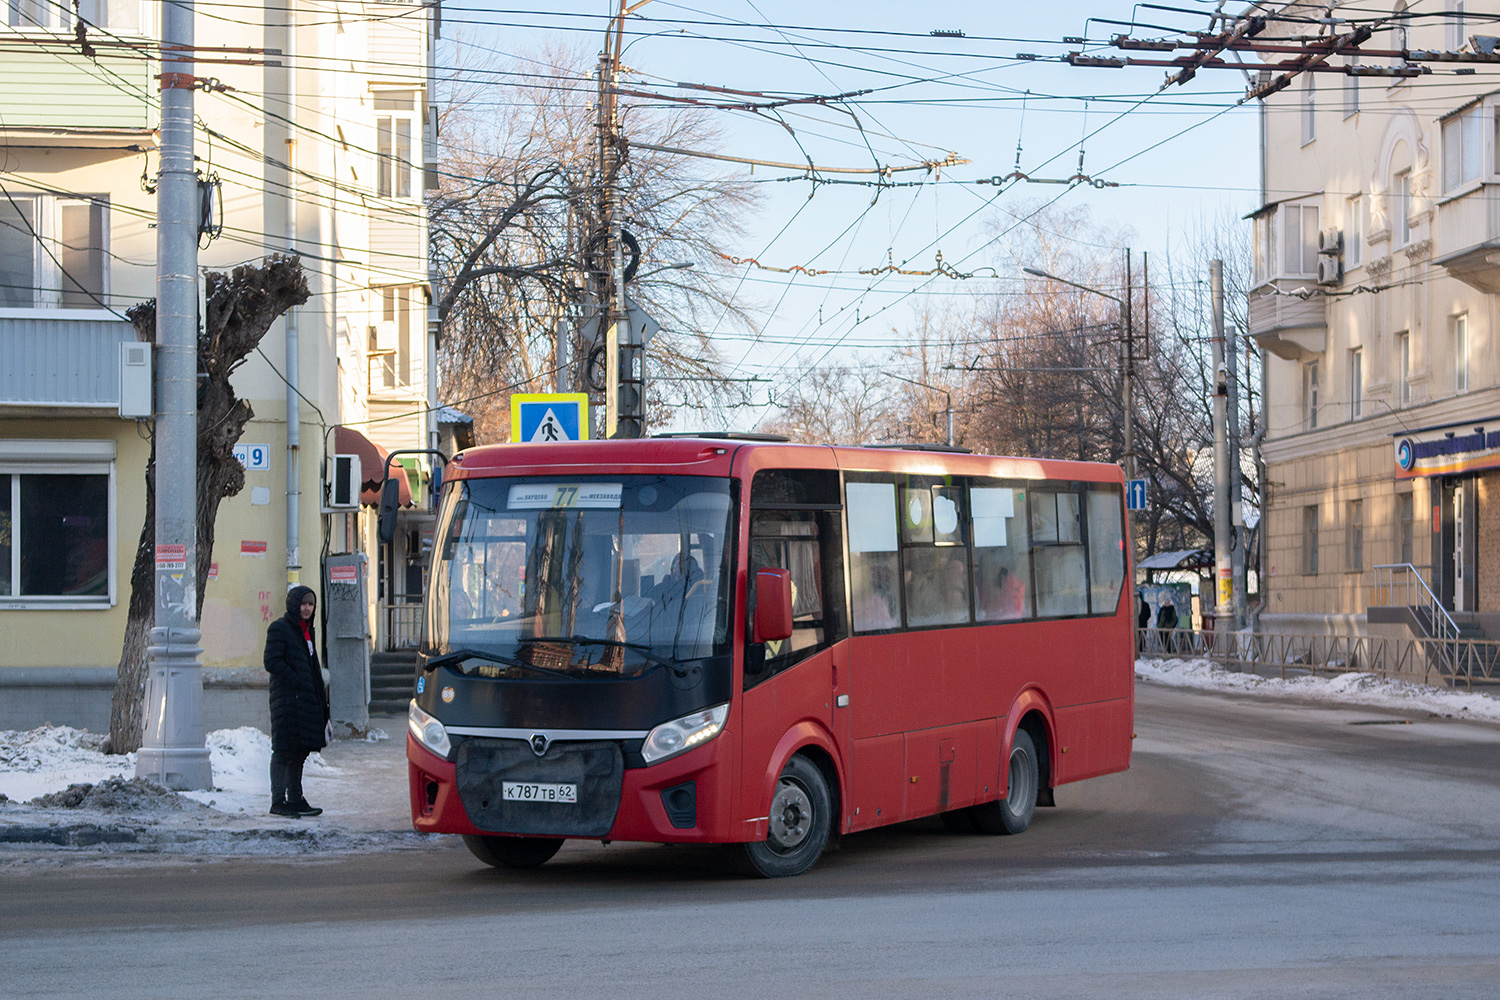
[1445, 451]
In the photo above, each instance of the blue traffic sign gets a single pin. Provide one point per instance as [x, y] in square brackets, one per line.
[549, 417]
[1135, 494]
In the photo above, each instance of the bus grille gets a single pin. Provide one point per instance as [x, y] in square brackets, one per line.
[597, 768]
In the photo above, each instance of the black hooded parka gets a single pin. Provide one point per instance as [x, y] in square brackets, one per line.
[299, 702]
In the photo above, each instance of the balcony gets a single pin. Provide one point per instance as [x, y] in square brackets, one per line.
[102, 101]
[66, 362]
[1468, 237]
[1287, 326]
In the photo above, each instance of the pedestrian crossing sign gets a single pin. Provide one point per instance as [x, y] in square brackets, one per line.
[549, 417]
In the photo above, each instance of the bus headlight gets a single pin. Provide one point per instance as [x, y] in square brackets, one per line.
[672, 738]
[428, 731]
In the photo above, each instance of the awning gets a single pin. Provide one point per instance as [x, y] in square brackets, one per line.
[1179, 559]
[372, 458]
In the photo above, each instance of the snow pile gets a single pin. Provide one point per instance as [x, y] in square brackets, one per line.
[51, 758]
[241, 762]
[136, 795]
[1347, 689]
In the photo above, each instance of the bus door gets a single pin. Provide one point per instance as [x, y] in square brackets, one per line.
[796, 525]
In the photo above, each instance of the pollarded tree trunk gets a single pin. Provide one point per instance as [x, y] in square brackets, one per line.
[241, 307]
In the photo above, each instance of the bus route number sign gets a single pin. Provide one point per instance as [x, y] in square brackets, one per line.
[538, 791]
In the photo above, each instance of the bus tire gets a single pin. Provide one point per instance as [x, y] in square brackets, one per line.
[1013, 813]
[512, 852]
[800, 820]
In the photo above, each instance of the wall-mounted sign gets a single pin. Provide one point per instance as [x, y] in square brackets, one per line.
[254, 457]
[1444, 451]
[254, 549]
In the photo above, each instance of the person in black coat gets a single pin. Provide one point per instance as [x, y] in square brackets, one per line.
[299, 702]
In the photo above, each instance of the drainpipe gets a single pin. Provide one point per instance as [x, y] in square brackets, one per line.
[1256, 441]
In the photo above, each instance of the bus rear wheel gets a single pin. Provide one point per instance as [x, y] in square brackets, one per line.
[1013, 813]
[512, 852]
[800, 820]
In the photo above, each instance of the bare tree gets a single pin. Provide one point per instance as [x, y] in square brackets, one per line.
[514, 237]
[837, 405]
[241, 306]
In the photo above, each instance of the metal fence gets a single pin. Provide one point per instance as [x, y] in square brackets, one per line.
[403, 626]
[1465, 663]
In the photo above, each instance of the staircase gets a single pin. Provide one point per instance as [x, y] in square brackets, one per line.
[1460, 647]
[392, 677]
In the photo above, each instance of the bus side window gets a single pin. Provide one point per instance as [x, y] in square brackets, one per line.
[1002, 565]
[873, 569]
[1106, 550]
[1057, 553]
[937, 570]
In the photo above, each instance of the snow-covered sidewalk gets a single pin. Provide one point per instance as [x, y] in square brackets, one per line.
[1343, 689]
[58, 788]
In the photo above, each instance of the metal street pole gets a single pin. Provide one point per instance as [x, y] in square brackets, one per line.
[947, 396]
[1222, 472]
[173, 751]
[1236, 484]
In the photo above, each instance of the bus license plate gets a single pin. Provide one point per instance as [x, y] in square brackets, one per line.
[534, 791]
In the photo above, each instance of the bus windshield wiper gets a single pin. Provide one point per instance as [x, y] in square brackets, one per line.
[635, 647]
[459, 655]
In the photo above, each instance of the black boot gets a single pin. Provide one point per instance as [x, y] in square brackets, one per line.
[299, 807]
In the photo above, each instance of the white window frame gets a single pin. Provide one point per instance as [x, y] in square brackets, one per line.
[1401, 207]
[1356, 382]
[1459, 325]
[1457, 33]
[1310, 393]
[56, 17]
[1462, 141]
[1309, 108]
[1351, 91]
[51, 457]
[46, 268]
[1403, 372]
[390, 167]
[1354, 232]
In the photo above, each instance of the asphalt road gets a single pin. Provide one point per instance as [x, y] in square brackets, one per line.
[1254, 849]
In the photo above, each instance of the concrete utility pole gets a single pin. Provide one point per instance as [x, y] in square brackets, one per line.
[172, 750]
[293, 358]
[1223, 471]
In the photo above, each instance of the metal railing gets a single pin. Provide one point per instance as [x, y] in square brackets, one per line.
[403, 626]
[1450, 662]
[1401, 585]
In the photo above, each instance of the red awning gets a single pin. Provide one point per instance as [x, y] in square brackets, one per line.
[372, 459]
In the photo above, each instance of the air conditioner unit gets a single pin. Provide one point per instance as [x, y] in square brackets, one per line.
[1330, 270]
[1331, 241]
[385, 336]
[345, 477]
[135, 379]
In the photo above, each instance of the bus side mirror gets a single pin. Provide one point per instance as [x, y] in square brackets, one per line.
[390, 499]
[773, 605]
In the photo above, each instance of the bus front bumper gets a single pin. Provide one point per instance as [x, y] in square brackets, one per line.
[696, 786]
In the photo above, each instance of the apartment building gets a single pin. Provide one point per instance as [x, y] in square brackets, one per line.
[313, 130]
[1377, 251]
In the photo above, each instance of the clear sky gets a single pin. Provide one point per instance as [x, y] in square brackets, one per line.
[1177, 155]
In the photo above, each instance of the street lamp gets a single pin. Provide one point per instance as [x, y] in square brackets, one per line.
[1127, 398]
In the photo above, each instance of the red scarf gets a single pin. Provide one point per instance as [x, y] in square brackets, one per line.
[306, 633]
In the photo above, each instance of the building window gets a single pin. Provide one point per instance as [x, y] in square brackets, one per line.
[1356, 383]
[1403, 369]
[1401, 208]
[56, 526]
[1310, 540]
[1461, 353]
[1354, 537]
[1354, 232]
[53, 252]
[1309, 108]
[391, 355]
[1299, 240]
[1405, 518]
[1351, 92]
[1310, 393]
[1463, 149]
[395, 124]
[1458, 33]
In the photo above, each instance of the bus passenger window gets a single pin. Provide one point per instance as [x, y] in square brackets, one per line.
[1057, 551]
[936, 564]
[1002, 569]
[872, 556]
[1106, 551]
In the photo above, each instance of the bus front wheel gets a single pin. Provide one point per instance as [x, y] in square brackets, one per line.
[1013, 813]
[800, 820]
[512, 852]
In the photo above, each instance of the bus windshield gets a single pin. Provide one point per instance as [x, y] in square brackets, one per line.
[590, 576]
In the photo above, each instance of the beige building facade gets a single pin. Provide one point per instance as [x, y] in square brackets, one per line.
[1377, 252]
[313, 129]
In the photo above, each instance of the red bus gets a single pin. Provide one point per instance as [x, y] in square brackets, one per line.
[735, 640]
